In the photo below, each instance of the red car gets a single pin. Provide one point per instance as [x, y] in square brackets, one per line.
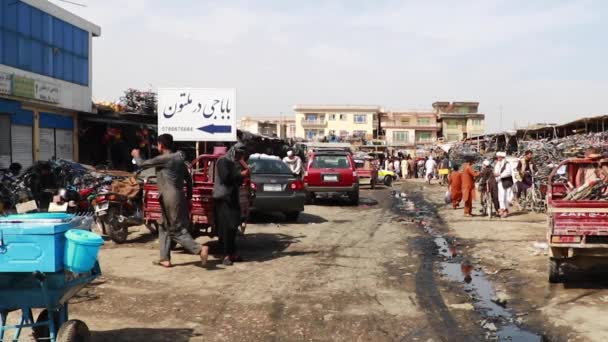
[332, 172]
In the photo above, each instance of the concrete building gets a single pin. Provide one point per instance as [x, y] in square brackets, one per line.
[317, 121]
[409, 130]
[459, 120]
[45, 80]
[280, 127]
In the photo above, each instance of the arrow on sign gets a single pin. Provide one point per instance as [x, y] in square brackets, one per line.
[216, 129]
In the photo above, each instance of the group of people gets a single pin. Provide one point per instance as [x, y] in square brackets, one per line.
[498, 183]
[172, 177]
[408, 167]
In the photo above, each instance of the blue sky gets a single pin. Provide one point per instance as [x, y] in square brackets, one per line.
[540, 61]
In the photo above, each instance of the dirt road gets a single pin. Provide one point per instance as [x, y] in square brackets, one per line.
[399, 267]
[339, 274]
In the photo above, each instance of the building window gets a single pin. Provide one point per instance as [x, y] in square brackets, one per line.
[313, 133]
[312, 117]
[463, 110]
[453, 137]
[37, 42]
[405, 122]
[332, 117]
[361, 134]
[343, 117]
[360, 118]
[423, 136]
[424, 121]
[476, 122]
[401, 136]
[452, 124]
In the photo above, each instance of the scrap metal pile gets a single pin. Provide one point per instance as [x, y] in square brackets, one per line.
[139, 102]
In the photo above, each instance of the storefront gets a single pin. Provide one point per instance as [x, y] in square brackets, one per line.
[45, 68]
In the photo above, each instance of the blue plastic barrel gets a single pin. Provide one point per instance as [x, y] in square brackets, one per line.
[81, 249]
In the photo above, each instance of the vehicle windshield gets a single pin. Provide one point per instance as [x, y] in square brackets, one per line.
[330, 162]
[268, 166]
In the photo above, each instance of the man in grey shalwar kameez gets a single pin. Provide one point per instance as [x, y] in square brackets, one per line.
[171, 175]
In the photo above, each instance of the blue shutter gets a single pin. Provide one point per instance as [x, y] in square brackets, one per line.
[25, 53]
[85, 44]
[10, 48]
[68, 71]
[58, 65]
[77, 41]
[85, 72]
[47, 28]
[24, 18]
[47, 61]
[1, 17]
[37, 57]
[57, 33]
[68, 37]
[36, 23]
[1, 43]
[10, 14]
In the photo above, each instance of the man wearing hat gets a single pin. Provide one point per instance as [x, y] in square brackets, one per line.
[227, 181]
[488, 186]
[503, 174]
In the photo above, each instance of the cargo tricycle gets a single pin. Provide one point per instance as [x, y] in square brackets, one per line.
[577, 232]
[202, 206]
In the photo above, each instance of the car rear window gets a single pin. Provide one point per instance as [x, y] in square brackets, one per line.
[331, 162]
[268, 166]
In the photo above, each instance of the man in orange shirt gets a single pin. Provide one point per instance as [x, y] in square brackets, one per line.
[468, 187]
[455, 186]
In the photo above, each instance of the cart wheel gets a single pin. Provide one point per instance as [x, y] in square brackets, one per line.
[74, 331]
[554, 275]
[42, 332]
[152, 227]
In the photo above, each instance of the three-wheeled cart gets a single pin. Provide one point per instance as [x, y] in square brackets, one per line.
[45, 259]
[47, 291]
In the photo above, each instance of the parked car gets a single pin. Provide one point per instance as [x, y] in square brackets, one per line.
[332, 172]
[275, 188]
[367, 172]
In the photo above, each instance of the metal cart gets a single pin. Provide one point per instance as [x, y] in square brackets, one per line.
[48, 291]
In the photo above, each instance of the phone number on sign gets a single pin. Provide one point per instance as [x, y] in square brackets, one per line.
[177, 129]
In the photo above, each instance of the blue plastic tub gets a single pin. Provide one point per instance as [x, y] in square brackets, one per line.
[33, 242]
[81, 249]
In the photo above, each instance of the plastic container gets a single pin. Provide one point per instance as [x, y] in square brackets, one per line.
[81, 249]
[33, 242]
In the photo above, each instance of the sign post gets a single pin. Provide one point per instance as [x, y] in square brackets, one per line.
[197, 114]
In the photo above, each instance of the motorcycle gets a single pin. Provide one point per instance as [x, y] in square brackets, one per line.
[115, 212]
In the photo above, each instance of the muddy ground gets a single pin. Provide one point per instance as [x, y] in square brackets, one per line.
[341, 273]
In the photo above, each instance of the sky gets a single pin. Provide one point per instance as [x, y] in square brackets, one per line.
[532, 61]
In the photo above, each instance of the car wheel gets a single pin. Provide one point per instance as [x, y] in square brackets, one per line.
[388, 180]
[554, 275]
[292, 216]
[354, 197]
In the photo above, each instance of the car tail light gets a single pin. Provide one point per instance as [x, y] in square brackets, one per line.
[297, 185]
[565, 239]
[253, 186]
[112, 197]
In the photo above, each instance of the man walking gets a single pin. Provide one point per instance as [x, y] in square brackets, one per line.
[430, 165]
[294, 162]
[503, 174]
[172, 175]
[455, 185]
[523, 174]
[227, 182]
[468, 187]
[488, 187]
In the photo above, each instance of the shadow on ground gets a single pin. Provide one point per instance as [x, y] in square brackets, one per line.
[142, 334]
[304, 218]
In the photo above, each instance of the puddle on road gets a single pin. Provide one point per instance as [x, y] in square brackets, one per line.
[457, 268]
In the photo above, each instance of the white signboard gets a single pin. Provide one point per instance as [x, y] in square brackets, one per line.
[5, 83]
[45, 91]
[64, 144]
[197, 114]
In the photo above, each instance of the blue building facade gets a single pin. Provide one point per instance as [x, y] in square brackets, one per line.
[45, 80]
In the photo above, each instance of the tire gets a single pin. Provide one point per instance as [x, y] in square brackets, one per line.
[114, 229]
[42, 333]
[388, 181]
[553, 268]
[74, 331]
[354, 198]
[292, 216]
